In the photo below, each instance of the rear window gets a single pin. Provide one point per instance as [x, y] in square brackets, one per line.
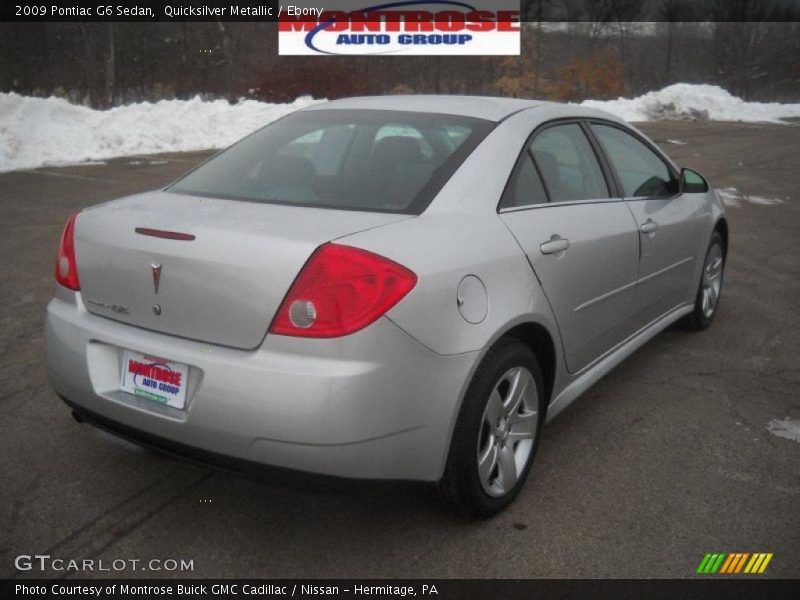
[374, 160]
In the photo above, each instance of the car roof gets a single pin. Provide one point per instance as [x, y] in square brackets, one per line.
[481, 107]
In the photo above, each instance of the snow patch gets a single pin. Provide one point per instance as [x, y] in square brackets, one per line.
[36, 132]
[785, 428]
[763, 200]
[733, 198]
[685, 101]
[730, 196]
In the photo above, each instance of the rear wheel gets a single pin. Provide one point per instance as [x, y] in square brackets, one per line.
[496, 434]
[707, 300]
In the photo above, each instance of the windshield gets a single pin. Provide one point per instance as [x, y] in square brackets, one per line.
[375, 160]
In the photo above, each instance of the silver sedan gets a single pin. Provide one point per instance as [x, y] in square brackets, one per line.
[383, 288]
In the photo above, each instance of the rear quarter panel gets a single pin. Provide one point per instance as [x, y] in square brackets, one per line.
[442, 250]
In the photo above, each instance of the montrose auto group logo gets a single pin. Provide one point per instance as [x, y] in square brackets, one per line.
[403, 28]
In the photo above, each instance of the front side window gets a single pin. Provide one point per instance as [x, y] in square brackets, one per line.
[641, 172]
[568, 164]
[375, 160]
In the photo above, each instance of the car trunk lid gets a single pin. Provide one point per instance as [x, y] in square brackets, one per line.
[221, 281]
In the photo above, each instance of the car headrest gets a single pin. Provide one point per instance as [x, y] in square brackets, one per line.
[396, 149]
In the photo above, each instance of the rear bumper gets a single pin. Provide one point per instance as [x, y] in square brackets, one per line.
[373, 405]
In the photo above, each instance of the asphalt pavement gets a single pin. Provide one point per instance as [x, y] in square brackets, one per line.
[669, 457]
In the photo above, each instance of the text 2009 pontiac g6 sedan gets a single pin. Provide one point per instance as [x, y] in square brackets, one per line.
[383, 288]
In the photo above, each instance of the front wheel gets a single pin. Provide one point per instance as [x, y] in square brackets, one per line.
[708, 294]
[496, 434]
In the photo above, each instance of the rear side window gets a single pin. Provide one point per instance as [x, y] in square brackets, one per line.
[568, 164]
[641, 172]
[525, 187]
[374, 160]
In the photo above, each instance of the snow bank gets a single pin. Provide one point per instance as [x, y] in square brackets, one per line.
[690, 101]
[35, 132]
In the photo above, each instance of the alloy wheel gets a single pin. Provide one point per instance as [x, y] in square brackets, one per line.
[507, 432]
[712, 280]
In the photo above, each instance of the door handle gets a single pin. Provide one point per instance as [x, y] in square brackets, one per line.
[649, 226]
[555, 245]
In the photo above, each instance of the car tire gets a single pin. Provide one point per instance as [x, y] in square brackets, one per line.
[495, 423]
[710, 288]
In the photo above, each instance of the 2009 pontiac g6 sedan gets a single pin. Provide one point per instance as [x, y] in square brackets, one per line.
[383, 288]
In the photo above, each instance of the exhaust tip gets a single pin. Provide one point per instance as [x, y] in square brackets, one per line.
[77, 416]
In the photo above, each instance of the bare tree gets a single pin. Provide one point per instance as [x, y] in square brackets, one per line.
[226, 50]
[102, 64]
[672, 13]
[110, 66]
[538, 11]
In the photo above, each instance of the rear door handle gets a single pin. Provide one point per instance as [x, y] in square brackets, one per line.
[649, 226]
[555, 245]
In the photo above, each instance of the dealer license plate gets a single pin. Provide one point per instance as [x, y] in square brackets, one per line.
[153, 378]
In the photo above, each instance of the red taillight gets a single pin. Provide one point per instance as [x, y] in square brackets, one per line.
[66, 267]
[339, 291]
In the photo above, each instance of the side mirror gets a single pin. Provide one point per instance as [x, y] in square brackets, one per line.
[692, 182]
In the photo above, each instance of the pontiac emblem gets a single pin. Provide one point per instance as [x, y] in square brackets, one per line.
[156, 275]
